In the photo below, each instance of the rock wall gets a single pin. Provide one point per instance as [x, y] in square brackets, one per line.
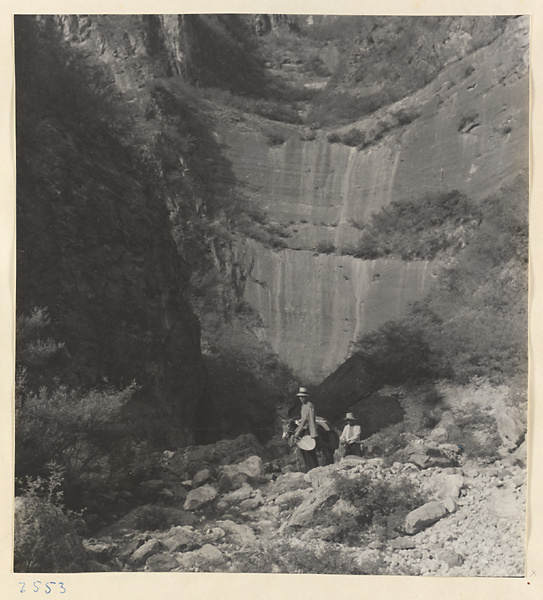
[314, 306]
[470, 134]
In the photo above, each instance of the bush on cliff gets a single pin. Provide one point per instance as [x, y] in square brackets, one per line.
[473, 322]
[420, 228]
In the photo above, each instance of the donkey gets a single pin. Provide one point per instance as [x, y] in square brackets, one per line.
[327, 442]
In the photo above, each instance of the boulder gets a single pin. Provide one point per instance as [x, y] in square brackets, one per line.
[200, 496]
[252, 503]
[180, 541]
[452, 558]
[161, 562]
[510, 425]
[244, 492]
[152, 546]
[288, 482]
[503, 504]
[253, 468]
[200, 478]
[320, 476]
[323, 498]
[209, 553]
[238, 534]
[128, 549]
[445, 486]
[422, 517]
[290, 499]
[403, 543]
[518, 457]
[427, 455]
[99, 548]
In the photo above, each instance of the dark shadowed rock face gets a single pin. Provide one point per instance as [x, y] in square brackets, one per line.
[94, 248]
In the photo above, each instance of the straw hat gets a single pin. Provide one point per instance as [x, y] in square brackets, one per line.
[302, 392]
[350, 417]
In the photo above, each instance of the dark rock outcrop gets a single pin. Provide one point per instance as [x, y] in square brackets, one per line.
[94, 245]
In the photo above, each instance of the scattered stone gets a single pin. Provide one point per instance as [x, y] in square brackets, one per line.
[153, 546]
[161, 562]
[323, 498]
[253, 468]
[210, 553]
[215, 534]
[244, 492]
[424, 516]
[99, 548]
[129, 549]
[451, 558]
[288, 482]
[319, 477]
[510, 425]
[402, 543]
[351, 461]
[200, 478]
[238, 534]
[290, 499]
[181, 541]
[200, 496]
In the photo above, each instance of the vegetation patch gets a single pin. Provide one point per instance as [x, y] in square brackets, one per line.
[419, 229]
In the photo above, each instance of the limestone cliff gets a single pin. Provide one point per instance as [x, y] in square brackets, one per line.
[468, 133]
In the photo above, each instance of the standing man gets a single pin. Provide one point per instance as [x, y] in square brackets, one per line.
[307, 426]
[350, 438]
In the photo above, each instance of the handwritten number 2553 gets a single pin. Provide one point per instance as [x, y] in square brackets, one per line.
[48, 589]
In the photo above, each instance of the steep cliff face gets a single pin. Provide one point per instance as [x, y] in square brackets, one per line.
[467, 132]
[314, 306]
[236, 148]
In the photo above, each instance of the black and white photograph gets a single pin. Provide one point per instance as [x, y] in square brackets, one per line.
[271, 294]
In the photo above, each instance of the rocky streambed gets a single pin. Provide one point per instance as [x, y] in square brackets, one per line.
[254, 516]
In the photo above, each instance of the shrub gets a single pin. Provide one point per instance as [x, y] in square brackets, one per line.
[315, 64]
[285, 557]
[274, 138]
[354, 137]
[325, 247]
[377, 503]
[334, 138]
[398, 352]
[46, 535]
[404, 117]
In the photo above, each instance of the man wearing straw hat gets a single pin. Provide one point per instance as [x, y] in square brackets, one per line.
[306, 434]
[350, 438]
